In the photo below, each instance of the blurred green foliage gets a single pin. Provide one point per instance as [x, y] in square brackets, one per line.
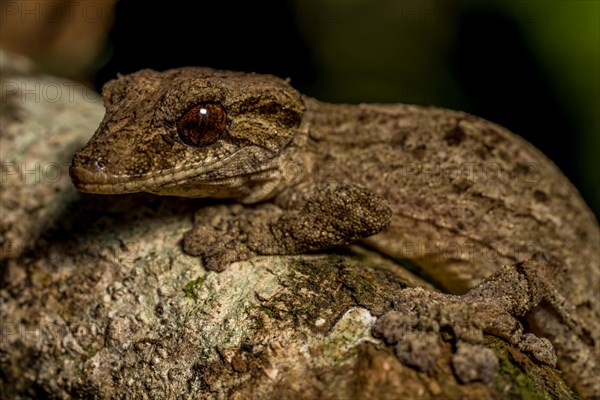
[414, 52]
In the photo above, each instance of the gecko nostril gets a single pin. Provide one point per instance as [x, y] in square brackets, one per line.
[89, 163]
[79, 160]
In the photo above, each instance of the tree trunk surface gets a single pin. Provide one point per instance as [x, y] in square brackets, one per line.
[98, 300]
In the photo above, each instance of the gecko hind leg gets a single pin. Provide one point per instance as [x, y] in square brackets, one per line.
[420, 317]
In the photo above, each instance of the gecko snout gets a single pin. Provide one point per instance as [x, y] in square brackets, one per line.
[88, 172]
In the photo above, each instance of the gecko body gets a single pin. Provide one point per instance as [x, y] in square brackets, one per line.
[453, 194]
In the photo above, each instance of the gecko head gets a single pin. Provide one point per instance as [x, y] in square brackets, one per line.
[193, 132]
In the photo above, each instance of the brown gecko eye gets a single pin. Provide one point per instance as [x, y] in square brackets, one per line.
[202, 124]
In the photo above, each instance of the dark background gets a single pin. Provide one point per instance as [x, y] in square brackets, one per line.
[509, 62]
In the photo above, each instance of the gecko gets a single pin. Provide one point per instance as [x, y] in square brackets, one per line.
[451, 195]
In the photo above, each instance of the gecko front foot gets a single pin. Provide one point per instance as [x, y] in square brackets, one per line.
[329, 215]
[421, 318]
[224, 234]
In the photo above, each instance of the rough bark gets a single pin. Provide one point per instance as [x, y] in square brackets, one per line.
[98, 299]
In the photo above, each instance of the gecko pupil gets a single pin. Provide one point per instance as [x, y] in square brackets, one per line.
[202, 124]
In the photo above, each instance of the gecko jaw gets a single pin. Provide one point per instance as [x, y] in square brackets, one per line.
[100, 183]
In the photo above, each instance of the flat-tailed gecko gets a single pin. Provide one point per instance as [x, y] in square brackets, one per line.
[454, 195]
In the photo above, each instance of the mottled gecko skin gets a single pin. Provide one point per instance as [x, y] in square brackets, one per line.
[455, 195]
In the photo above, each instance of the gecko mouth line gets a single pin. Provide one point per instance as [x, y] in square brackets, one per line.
[103, 183]
[98, 183]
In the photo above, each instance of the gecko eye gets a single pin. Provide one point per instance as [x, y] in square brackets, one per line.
[202, 124]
